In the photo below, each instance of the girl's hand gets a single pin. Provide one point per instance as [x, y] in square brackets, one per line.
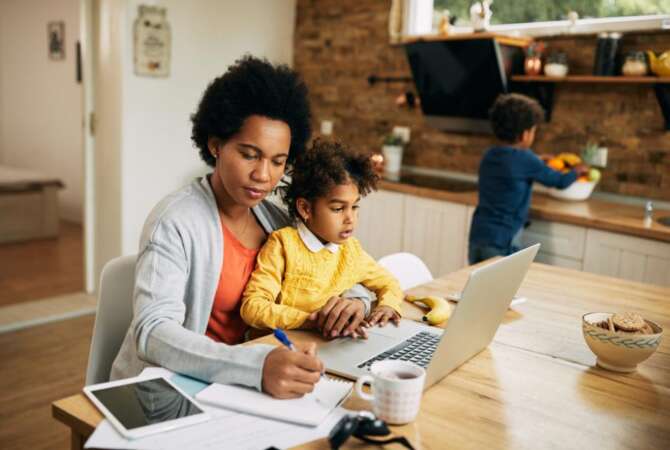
[381, 315]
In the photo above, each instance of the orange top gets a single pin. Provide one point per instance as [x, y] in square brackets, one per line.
[225, 323]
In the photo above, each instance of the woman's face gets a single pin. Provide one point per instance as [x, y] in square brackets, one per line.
[251, 163]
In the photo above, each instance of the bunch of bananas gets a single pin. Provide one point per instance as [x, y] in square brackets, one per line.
[440, 311]
[564, 162]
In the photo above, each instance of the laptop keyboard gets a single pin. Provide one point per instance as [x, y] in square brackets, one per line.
[418, 349]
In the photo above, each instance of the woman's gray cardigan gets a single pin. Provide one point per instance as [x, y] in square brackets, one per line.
[176, 277]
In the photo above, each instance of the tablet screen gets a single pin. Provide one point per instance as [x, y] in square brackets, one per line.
[145, 403]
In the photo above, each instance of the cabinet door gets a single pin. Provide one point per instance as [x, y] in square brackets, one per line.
[380, 223]
[557, 239]
[627, 257]
[435, 232]
[559, 261]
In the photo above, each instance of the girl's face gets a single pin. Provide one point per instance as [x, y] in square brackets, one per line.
[332, 218]
[251, 163]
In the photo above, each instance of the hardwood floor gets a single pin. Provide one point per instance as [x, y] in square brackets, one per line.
[37, 366]
[42, 268]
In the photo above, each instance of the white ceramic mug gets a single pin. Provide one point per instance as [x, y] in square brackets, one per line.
[396, 390]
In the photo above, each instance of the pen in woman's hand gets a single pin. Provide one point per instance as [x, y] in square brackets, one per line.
[280, 335]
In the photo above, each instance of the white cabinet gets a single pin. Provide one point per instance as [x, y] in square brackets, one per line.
[561, 244]
[380, 223]
[627, 257]
[436, 231]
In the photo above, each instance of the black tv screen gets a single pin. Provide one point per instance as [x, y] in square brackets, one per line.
[458, 80]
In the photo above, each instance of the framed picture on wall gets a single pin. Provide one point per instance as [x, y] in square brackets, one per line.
[56, 39]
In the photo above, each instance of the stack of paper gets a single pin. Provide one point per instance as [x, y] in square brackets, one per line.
[227, 429]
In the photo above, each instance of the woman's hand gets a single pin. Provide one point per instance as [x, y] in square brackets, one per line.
[382, 314]
[291, 374]
[340, 317]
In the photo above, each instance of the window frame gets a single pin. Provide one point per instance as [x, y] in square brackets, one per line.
[416, 25]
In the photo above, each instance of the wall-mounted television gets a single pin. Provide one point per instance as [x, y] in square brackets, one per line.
[458, 80]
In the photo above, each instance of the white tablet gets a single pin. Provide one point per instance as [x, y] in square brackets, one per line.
[140, 406]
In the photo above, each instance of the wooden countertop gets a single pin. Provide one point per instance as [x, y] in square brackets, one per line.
[598, 214]
[536, 385]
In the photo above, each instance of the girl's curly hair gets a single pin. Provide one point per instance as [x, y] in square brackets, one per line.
[252, 86]
[512, 114]
[323, 166]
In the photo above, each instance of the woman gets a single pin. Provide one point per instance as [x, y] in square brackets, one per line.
[199, 244]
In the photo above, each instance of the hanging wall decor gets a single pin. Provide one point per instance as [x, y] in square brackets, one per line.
[56, 40]
[152, 42]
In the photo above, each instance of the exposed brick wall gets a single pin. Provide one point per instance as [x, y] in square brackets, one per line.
[339, 43]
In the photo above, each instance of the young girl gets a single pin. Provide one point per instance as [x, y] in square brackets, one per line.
[300, 268]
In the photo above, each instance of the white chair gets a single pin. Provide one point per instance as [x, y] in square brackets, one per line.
[409, 269]
[113, 317]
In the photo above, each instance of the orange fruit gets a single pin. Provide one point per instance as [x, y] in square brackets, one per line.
[556, 164]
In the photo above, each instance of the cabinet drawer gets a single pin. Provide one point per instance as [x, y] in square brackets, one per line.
[557, 239]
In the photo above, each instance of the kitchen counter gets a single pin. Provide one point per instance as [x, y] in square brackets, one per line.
[598, 214]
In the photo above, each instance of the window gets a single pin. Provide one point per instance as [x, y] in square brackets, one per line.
[520, 15]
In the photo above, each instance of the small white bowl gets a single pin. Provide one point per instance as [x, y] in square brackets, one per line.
[616, 350]
[555, 70]
[579, 190]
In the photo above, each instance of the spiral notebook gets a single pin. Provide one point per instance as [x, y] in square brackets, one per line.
[311, 409]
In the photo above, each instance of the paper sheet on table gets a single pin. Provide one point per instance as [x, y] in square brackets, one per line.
[227, 429]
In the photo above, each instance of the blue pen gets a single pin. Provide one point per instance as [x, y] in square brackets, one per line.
[281, 337]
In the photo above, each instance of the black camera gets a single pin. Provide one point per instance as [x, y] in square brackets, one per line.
[361, 426]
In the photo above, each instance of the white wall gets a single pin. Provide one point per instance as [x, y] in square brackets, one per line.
[40, 100]
[155, 152]
[207, 36]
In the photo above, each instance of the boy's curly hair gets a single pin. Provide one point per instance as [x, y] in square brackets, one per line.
[252, 86]
[323, 166]
[512, 114]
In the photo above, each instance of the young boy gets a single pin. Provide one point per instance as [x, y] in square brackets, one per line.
[299, 268]
[506, 176]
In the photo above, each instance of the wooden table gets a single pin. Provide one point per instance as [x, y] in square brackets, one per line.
[536, 385]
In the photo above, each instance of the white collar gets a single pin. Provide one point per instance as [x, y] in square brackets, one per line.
[312, 242]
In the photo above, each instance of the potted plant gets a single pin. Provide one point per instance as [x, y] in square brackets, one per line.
[392, 149]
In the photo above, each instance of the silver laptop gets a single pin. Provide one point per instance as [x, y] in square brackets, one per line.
[470, 329]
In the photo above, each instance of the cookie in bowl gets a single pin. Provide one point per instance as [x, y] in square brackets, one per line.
[620, 341]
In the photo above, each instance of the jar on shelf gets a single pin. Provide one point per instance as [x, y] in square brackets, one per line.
[556, 65]
[635, 65]
[533, 63]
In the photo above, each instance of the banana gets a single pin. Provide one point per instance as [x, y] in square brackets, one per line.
[439, 308]
[570, 159]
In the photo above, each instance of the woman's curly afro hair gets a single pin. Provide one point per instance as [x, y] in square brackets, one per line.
[512, 114]
[323, 166]
[252, 86]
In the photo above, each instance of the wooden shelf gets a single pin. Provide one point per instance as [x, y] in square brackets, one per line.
[514, 41]
[590, 79]
[542, 88]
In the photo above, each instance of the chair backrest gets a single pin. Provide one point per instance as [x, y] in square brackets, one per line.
[409, 269]
[113, 317]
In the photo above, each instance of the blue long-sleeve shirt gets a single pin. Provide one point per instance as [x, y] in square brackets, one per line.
[506, 176]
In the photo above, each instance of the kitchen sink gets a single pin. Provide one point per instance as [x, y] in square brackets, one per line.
[664, 221]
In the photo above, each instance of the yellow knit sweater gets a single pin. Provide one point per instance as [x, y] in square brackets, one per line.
[290, 281]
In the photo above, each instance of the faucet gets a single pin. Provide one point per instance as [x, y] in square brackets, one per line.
[648, 213]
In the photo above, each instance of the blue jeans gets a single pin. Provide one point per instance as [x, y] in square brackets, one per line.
[481, 252]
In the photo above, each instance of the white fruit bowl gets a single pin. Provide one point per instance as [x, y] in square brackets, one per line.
[579, 190]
